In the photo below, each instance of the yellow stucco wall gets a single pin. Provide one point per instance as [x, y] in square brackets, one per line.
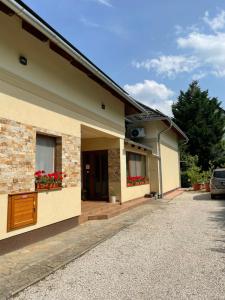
[134, 192]
[170, 160]
[170, 168]
[54, 206]
[50, 77]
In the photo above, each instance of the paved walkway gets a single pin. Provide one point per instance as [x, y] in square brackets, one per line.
[173, 194]
[173, 253]
[20, 268]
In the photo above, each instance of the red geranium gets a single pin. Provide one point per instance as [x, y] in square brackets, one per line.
[48, 179]
[135, 180]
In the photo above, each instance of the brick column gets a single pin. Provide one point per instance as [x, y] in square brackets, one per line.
[114, 172]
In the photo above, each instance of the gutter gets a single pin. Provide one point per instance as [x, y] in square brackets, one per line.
[46, 29]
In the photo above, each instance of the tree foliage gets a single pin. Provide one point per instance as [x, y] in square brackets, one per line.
[203, 120]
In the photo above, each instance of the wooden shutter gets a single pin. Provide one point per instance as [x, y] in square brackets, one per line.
[22, 210]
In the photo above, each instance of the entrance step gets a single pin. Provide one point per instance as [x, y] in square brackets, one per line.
[100, 210]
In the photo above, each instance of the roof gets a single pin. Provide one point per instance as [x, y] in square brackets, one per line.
[151, 114]
[35, 25]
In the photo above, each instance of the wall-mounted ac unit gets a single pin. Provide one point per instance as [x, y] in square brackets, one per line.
[137, 132]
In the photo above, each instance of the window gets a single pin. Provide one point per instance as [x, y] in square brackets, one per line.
[219, 174]
[45, 153]
[136, 165]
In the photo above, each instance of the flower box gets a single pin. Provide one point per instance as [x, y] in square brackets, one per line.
[51, 181]
[46, 187]
[136, 180]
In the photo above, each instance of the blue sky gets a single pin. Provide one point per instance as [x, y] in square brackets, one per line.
[151, 48]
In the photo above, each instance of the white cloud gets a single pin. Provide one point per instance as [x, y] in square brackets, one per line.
[88, 23]
[104, 2]
[202, 53]
[209, 48]
[169, 65]
[153, 94]
[199, 75]
[185, 30]
[216, 23]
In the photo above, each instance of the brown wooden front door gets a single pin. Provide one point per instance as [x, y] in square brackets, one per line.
[95, 175]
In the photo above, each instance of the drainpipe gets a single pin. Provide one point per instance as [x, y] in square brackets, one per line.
[159, 153]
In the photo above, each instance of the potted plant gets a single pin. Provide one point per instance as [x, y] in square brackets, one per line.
[195, 177]
[194, 172]
[112, 198]
[206, 178]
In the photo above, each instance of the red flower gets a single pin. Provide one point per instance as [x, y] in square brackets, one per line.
[37, 173]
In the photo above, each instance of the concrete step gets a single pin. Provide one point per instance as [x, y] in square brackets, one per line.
[112, 210]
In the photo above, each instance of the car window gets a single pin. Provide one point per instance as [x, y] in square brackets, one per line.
[219, 174]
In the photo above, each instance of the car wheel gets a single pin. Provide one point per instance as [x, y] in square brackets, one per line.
[213, 196]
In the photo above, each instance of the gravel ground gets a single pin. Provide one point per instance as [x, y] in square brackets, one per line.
[174, 253]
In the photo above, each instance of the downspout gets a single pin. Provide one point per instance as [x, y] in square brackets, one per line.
[159, 154]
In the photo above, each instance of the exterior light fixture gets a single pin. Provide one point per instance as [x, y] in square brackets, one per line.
[23, 60]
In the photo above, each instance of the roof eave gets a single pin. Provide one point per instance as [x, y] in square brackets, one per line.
[27, 14]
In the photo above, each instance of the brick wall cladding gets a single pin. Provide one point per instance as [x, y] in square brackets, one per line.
[17, 157]
[71, 160]
[114, 172]
[114, 165]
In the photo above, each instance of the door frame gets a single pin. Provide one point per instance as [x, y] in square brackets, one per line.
[92, 182]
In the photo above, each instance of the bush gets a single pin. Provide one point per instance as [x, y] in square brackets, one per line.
[193, 170]
[185, 181]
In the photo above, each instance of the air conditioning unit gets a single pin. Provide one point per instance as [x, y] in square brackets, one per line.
[137, 132]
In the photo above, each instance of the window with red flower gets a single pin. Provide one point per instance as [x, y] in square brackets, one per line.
[136, 168]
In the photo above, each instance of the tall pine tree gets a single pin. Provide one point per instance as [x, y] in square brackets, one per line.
[203, 120]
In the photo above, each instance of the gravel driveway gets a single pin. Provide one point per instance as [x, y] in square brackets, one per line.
[175, 253]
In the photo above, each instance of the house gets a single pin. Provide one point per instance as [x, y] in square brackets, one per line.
[164, 137]
[60, 112]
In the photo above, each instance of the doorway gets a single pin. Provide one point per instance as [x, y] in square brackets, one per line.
[95, 175]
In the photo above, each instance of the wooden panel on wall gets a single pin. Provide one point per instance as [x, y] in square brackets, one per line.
[22, 210]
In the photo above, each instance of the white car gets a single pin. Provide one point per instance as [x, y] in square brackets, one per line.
[217, 183]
